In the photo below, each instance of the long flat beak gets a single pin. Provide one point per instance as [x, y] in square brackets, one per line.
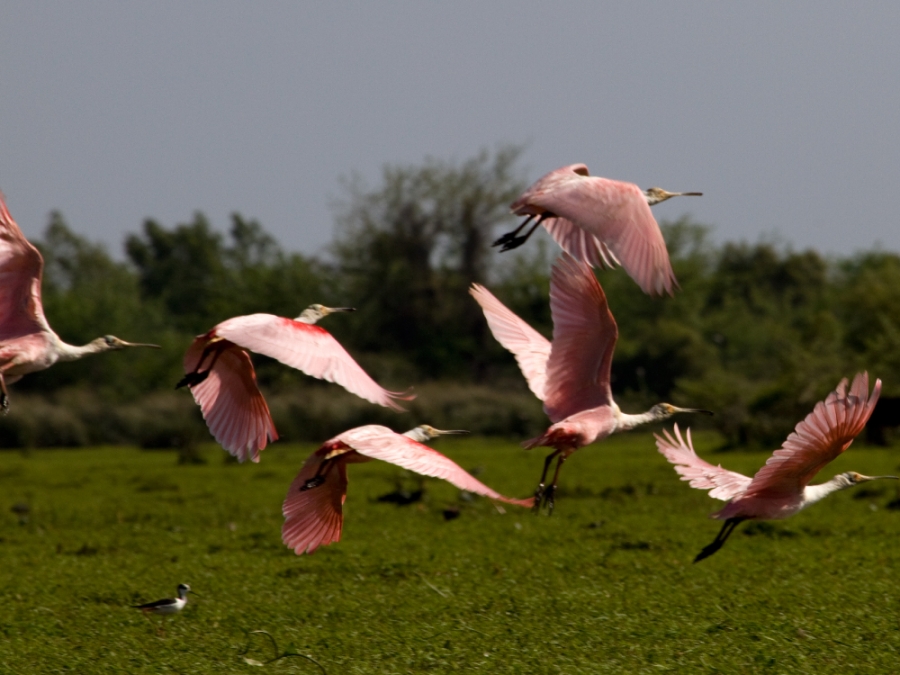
[683, 194]
[195, 593]
[450, 432]
[878, 477]
[693, 410]
[332, 310]
[139, 344]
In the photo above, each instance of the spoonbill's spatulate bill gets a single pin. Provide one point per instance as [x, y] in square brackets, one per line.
[571, 375]
[223, 382]
[313, 508]
[27, 343]
[600, 222]
[781, 488]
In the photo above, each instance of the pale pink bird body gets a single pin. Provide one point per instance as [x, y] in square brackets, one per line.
[313, 508]
[600, 222]
[781, 488]
[571, 375]
[223, 382]
[27, 343]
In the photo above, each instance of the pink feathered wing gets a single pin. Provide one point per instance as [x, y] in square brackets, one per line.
[721, 483]
[230, 400]
[815, 442]
[818, 440]
[602, 222]
[21, 268]
[313, 520]
[232, 405]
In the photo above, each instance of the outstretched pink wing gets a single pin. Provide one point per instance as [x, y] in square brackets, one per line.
[315, 517]
[615, 223]
[381, 443]
[721, 483]
[825, 433]
[232, 405]
[530, 348]
[584, 338]
[21, 267]
[308, 348]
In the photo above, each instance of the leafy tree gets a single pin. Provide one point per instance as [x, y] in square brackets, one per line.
[201, 279]
[87, 294]
[407, 252]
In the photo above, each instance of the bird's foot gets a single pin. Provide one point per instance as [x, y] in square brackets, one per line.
[538, 498]
[313, 482]
[505, 238]
[549, 499]
[4, 403]
[192, 379]
[513, 242]
[709, 550]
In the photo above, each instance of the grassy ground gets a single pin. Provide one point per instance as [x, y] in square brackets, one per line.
[604, 585]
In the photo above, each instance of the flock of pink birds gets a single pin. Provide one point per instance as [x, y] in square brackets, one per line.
[597, 222]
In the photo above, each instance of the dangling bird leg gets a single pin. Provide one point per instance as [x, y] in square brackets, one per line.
[4, 395]
[550, 492]
[509, 235]
[539, 493]
[516, 242]
[720, 539]
[192, 379]
[319, 478]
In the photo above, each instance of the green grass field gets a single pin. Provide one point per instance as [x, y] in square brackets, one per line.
[604, 585]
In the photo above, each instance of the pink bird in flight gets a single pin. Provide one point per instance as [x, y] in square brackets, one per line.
[313, 508]
[571, 375]
[781, 487]
[222, 380]
[27, 343]
[600, 222]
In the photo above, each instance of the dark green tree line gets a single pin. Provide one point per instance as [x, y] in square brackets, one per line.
[756, 332]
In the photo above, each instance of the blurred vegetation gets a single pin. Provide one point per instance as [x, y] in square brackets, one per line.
[757, 332]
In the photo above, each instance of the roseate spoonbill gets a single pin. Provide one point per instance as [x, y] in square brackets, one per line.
[167, 606]
[313, 508]
[571, 375]
[781, 488]
[601, 222]
[232, 405]
[27, 343]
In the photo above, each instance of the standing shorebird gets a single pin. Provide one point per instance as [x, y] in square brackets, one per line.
[27, 343]
[220, 373]
[571, 375]
[781, 488]
[600, 222]
[167, 606]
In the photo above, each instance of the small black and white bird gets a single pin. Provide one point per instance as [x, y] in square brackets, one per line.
[167, 606]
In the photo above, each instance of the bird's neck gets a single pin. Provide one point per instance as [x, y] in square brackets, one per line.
[69, 352]
[816, 493]
[309, 316]
[627, 421]
[418, 435]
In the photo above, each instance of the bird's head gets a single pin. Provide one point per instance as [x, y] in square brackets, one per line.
[316, 311]
[656, 195]
[109, 343]
[425, 432]
[852, 478]
[663, 411]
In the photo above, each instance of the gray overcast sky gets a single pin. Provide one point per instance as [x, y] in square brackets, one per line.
[784, 114]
